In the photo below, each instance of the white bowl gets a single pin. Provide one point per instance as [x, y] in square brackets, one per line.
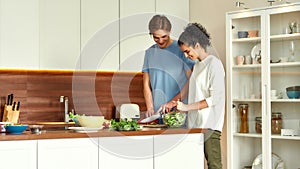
[91, 121]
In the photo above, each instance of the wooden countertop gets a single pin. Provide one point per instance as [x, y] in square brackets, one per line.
[61, 134]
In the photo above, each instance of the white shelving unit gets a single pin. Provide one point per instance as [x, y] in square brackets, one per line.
[251, 84]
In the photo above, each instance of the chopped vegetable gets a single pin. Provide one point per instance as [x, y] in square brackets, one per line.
[106, 124]
[174, 119]
[72, 116]
[124, 125]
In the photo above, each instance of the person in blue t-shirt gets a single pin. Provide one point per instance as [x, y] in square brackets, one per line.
[166, 69]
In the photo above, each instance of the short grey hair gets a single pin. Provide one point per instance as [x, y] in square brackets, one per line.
[159, 22]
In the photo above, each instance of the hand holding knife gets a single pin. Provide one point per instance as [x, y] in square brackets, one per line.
[157, 115]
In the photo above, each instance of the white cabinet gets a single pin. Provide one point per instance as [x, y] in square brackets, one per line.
[251, 85]
[179, 151]
[283, 75]
[126, 152]
[18, 154]
[19, 34]
[134, 34]
[59, 34]
[39, 34]
[244, 86]
[76, 153]
[178, 13]
[100, 35]
[89, 35]
[176, 8]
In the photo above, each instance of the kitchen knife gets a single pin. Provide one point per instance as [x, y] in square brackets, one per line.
[11, 99]
[153, 117]
[18, 106]
[8, 99]
[13, 107]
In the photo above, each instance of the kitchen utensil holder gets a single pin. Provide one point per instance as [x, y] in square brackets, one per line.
[10, 115]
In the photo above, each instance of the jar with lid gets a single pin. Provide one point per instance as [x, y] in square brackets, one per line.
[276, 123]
[243, 111]
[258, 124]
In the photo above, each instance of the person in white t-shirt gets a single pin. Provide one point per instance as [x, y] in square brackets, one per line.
[206, 99]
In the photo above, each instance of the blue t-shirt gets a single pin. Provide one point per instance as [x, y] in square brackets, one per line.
[167, 70]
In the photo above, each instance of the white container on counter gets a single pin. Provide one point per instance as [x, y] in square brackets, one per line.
[2, 126]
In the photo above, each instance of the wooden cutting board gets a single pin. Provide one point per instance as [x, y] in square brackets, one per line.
[154, 125]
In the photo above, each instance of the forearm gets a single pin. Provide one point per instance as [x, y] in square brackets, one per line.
[148, 99]
[147, 92]
[198, 105]
[193, 106]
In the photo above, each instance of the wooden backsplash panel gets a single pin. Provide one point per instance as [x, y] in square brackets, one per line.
[90, 93]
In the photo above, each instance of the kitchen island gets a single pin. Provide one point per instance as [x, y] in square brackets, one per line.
[147, 149]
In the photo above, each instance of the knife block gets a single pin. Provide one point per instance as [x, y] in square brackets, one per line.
[10, 115]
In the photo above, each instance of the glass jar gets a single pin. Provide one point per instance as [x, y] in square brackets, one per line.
[243, 111]
[276, 122]
[258, 124]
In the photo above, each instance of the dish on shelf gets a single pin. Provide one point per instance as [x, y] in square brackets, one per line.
[293, 94]
[291, 88]
[256, 53]
[290, 132]
[276, 97]
[84, 129]
[277, 163]
[242, 34]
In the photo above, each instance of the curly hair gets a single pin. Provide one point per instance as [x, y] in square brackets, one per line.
[195, 33]
[159, 22]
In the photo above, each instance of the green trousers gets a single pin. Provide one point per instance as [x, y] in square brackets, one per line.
[212, 149]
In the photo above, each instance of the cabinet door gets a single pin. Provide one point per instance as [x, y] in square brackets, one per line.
[178, 13]
[176, 8]
[100, 34]
[19, 34]
[59, 34]
[284, 45]
[134, 34]
[178, 151]
[18, 154]
[68, 153]
[133, 152]
[246, 88]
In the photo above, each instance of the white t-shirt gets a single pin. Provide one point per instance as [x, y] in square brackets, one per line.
[207, 82]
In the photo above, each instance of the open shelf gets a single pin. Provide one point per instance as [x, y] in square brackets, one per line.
[254, 135]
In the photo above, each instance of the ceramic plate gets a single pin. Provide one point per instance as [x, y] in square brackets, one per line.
[277, 163]
[84, 129]
[255, 50]
[275, 98]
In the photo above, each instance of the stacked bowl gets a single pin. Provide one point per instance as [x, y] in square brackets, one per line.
[293, 92]
[91, 121]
